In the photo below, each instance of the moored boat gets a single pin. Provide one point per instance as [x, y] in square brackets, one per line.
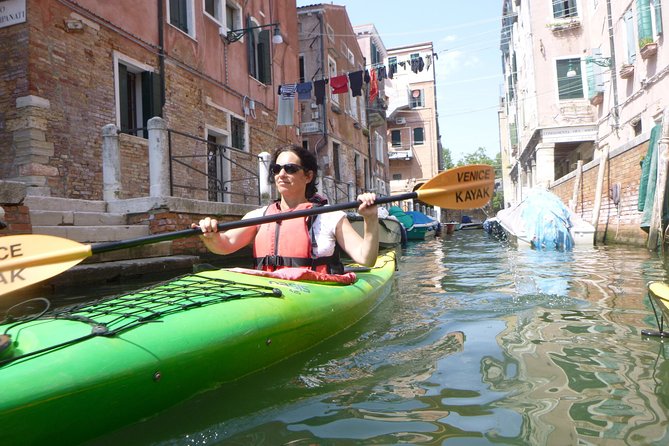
[391, 232]
[542, 221]
[424, 227]
[75, 373]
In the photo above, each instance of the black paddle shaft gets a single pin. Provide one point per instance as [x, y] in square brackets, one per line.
[97, 248]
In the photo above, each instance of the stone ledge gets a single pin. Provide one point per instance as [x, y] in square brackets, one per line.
[12, 192]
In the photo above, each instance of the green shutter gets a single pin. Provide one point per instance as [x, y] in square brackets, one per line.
[513, 133]
[658, 16]
[250, 46]
[264, 58]
[151, 98]
[123, 95]
[644, 22]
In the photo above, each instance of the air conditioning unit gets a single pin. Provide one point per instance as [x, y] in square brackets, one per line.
[400, 120]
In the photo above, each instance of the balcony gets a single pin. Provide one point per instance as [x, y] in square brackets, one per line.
[400, 153]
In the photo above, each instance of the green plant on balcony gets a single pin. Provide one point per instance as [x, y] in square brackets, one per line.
[643, 41]
[647, 47]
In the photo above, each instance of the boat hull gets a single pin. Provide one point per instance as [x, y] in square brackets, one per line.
[76, 391]
[390, 230]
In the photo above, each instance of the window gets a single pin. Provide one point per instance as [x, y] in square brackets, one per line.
[233, 16]
[237, 128]
[219, 169]
[628, 17]
[335, 161]
[353, 105]
[139, 96]
[416, 99]
[378, 145]
[570, 80]
[397, 176]
[305, 144]
[418, 135]
[649, 21]
[332, 69]
[181, 15]
[259, 53]
[564, 9]
[375, 55]
[330, 32]
[214, 10]
[301, 62]
[396, 138]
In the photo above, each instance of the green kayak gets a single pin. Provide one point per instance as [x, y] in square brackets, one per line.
[76, 373]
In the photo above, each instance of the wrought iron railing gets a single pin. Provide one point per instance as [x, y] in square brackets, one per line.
[212, 172]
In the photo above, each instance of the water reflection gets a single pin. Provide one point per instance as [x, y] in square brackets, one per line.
[478, 344]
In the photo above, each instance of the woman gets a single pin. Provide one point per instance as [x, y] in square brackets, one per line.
[310, 242]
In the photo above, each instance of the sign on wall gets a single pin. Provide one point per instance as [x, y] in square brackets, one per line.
[12, 12]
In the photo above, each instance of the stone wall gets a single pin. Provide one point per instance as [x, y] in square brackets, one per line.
[617, 223]
[14, 216]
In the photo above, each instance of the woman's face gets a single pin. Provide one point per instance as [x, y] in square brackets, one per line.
[292, 184]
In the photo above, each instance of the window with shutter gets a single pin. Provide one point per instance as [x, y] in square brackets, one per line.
[396, 138]
[570, 80]
[139, 97]
[564, 9]
[418, 136]
[181, 15]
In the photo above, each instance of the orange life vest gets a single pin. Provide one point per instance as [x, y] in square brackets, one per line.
[288, 243]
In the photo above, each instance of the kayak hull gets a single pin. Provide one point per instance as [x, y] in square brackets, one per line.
[76, 391]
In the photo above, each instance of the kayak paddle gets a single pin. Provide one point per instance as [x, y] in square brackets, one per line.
[30, 258]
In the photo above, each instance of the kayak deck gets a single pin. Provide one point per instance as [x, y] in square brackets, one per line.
[658, 295]
[134, 355]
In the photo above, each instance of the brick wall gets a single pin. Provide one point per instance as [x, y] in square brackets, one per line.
[17, 219]
[617, 223]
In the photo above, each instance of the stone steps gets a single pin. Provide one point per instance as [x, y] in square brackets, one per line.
[88, 221]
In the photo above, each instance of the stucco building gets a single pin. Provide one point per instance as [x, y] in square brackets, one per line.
[414, 146]
[584, 87]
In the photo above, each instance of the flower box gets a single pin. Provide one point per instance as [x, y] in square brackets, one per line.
[649, 49]
[626, 71]
[564, 25]
[597, 99]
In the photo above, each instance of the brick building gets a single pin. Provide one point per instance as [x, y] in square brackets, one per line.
[68, 68]
[336, 126]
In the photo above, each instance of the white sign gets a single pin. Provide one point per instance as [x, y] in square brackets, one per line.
[12, 12]
[310, 127]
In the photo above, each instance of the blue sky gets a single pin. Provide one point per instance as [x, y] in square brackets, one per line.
[469, 73]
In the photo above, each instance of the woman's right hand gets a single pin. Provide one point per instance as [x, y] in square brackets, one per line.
[207, 225]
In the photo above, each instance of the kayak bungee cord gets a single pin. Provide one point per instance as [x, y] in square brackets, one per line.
[111, 315]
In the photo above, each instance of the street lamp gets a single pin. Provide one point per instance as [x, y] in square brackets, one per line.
[600, 61]
[236, 34]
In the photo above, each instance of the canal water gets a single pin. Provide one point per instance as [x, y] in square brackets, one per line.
[479, 343]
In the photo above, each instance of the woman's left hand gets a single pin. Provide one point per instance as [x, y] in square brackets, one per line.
[367, 206]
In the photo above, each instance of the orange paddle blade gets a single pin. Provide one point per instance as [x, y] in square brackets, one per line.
[465, 187]
[31, 258]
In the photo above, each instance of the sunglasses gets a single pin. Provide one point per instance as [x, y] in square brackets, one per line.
[290, 168]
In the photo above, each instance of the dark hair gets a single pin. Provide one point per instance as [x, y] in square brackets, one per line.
[307, 160]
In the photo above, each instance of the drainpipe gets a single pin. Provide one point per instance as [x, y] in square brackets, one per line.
[614, 80]
[161, 55]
